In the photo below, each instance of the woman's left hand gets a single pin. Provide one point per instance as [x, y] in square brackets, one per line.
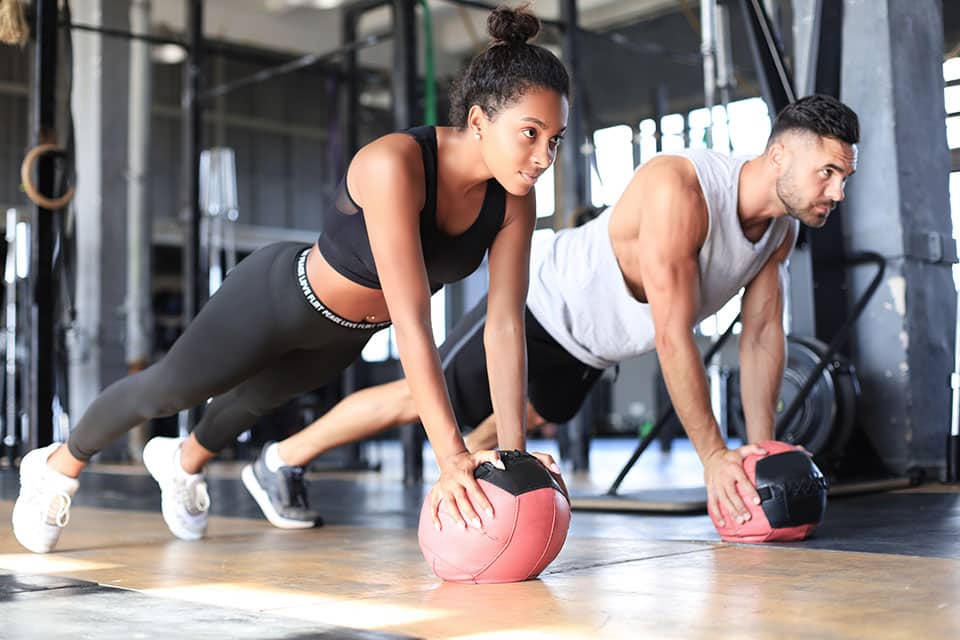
[547, 460]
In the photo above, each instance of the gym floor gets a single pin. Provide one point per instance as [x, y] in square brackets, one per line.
[883, 565]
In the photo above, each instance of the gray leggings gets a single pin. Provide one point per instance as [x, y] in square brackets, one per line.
[259, 341]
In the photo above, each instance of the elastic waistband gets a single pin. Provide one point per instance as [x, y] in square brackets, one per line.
[314, 301]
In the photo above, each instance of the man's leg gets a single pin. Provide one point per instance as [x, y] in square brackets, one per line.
[370, 411]
[485, 435]
[360, 415]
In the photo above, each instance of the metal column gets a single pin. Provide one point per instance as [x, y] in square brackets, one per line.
[138, 304]
[572, 164]
[405, 113]
[827, 252]
[898, 205]
[191, 136]
[45, 110]
[405, 104]
[349, 95]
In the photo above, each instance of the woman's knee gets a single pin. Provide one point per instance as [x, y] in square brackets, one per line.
[157, 393]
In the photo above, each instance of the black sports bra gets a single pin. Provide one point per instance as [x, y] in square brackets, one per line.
[345, 245]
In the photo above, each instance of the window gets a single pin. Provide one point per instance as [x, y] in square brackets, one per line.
[614, 153]
[749, 126]
[672, 127]
[698, 121]
[383, 345]
[545, 193]
[951, 100]
[955, 218]
[647, 139]
[951, 69]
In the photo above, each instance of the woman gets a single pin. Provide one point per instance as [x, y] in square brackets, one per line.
[290, 317]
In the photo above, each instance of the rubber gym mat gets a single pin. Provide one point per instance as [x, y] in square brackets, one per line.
[686, 500]
[912, 523]
[693, 500]
[52, 607]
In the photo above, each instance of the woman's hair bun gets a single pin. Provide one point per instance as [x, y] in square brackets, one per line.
[512, 26]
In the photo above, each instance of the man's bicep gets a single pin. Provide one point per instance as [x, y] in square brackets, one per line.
[669, 244]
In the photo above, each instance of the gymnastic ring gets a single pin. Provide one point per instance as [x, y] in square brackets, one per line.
[26, 172]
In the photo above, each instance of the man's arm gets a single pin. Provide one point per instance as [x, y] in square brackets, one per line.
[484, 436]
[671, 231]
[762, 344]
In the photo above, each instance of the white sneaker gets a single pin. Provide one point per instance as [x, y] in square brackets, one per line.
[43, 506]
[184, 497]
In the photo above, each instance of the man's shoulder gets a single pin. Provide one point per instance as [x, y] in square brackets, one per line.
[673, 175]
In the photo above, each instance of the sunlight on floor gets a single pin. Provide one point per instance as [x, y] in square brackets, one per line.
[48, 564]
[337, 610]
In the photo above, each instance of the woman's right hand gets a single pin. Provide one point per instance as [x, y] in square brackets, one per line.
[458, 489]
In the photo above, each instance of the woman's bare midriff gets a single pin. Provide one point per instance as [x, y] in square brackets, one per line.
[344, 297]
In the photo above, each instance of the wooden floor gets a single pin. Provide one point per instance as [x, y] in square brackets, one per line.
[601, 586]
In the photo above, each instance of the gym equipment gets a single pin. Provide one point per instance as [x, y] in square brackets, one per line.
[529, 527]
[825, 419]
[793, 497]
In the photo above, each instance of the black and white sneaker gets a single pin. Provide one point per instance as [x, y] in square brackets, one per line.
[281, 494]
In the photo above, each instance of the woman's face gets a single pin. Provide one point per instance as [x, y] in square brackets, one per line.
[521, 141]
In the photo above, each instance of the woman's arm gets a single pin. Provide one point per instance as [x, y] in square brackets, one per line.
[387, 180]
[504, 338]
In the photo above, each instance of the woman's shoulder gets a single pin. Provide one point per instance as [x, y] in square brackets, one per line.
[400, 148]
[392, 161]
[391, 156]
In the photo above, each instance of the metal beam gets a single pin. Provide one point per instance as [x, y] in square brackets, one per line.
[127, 35]
[775, 82]
[302, 62]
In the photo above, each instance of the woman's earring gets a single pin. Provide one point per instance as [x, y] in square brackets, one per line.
[476, 134]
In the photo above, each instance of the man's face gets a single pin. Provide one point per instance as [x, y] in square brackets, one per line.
[813, 173]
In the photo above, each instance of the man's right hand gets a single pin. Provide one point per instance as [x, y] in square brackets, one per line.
[723, 473]
[459, 490]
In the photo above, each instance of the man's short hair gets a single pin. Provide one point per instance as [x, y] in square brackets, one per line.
[822, 115]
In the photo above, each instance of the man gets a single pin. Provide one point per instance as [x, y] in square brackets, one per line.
[689, 232]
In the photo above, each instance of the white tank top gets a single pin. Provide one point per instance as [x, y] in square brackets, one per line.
[577, 291]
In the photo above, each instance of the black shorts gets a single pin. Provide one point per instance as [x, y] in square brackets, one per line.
[557, 383]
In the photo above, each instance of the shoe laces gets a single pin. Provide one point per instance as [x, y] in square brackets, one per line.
[296, 487]
[192, 495]
[56, 510]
